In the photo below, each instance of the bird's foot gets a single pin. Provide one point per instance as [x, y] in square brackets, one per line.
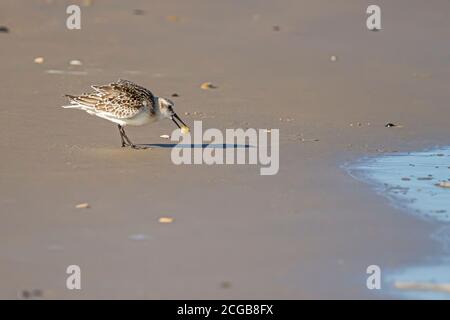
[133, 146]
[139, 147]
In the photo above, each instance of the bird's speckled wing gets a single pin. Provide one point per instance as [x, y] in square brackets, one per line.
[122, 99]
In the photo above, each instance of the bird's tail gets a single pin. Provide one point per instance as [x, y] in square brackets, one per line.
[72, 106]
[74, 103]
[80, 107]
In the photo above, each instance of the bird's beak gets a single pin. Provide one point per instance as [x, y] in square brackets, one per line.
[175, 116]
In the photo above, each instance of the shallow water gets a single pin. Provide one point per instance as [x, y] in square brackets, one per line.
[411, 181]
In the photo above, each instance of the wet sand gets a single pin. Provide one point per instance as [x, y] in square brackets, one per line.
[308, 232]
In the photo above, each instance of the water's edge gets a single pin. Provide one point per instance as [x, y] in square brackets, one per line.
[416, 183]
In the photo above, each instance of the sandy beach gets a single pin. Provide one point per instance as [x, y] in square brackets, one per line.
[308, 232]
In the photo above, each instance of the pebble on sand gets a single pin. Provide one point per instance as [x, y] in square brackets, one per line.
[4, 29]
[82, 206]
[333, 58]
[39, 60]
[276, 28]
[165, 220]
[393, 125]
[30, 294]
[138, 12]
[207, 85]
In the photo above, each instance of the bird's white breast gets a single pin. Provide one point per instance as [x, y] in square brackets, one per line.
[140, 119]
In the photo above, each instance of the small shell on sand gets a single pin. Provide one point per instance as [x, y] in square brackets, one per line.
[423, 286]
[75, 63]
[309, 140]
[173, 18]
[185, 130]
[333, 58]
[165, 220]
[207, 85]
[444, 184]
[87, 3]
[164, 136]
[82, 206]
[39, 60]
[75, 73]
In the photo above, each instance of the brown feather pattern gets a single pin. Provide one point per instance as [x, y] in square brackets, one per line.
[122, 99]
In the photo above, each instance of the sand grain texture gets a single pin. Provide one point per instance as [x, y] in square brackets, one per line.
[308, 232]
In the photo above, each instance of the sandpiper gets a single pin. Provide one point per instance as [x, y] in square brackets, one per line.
[126, 103]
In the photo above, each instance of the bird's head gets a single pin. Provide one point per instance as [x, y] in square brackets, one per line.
[165, 107]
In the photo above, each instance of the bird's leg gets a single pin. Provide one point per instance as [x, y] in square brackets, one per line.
[121, 136]
[127, 140]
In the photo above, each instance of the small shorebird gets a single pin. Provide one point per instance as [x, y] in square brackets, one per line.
[126, 103]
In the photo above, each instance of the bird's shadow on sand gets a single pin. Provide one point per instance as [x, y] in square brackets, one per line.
[195, 146]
